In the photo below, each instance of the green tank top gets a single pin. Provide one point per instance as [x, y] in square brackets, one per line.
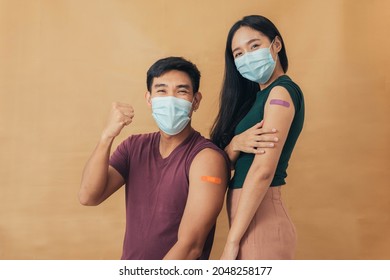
[255, 115]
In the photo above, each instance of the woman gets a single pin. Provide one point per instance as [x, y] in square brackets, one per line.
[257, 88]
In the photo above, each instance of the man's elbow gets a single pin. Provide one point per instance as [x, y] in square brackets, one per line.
[194, 249]
[87, 200]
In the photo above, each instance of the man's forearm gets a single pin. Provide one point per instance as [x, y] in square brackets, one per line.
[94, 178]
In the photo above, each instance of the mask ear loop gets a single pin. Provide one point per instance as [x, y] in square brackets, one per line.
[276, 59]
[271, 43]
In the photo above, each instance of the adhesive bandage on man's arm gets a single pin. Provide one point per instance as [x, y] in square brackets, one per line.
[211, 179]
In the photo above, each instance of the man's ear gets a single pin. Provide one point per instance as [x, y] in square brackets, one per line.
[197, 99]
[148, 98]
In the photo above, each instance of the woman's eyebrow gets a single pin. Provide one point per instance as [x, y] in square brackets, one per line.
[248, 43]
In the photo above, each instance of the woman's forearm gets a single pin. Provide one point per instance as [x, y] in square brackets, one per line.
[253, 191]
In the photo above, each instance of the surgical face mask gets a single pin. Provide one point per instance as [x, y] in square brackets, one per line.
[256, 66]
[171, 113]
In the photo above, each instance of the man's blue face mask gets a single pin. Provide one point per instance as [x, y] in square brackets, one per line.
[171, 113]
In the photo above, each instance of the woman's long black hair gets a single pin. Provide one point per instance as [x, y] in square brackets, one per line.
[238, 94]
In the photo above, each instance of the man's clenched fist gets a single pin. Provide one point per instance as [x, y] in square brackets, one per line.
[121, 115]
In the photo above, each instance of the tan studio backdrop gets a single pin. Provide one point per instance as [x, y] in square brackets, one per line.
[62, 64]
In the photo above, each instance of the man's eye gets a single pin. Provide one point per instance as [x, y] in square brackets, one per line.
[255, 46]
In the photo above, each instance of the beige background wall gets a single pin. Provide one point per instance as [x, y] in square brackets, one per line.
[63, 62]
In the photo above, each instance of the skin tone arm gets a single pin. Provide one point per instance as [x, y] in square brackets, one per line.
[262, 170]
[253, 140]
[99, 180]
[206, 192]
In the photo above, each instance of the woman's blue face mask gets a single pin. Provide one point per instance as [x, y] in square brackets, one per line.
[256, 66]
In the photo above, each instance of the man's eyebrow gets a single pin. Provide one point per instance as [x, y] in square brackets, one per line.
[184, 86]
[160, 85]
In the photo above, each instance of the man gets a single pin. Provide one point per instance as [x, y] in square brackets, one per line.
[175, 178]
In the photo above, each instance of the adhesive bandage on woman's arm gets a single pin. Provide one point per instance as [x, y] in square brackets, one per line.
[279, 102]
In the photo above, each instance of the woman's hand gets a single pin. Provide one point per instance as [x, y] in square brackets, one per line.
[254, 140]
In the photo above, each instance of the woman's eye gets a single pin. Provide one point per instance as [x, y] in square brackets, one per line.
[255, 46]
[238, 54]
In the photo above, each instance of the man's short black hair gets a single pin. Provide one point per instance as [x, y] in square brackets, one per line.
[164, 65]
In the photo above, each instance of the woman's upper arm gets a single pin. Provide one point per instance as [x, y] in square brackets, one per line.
[279, 113]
